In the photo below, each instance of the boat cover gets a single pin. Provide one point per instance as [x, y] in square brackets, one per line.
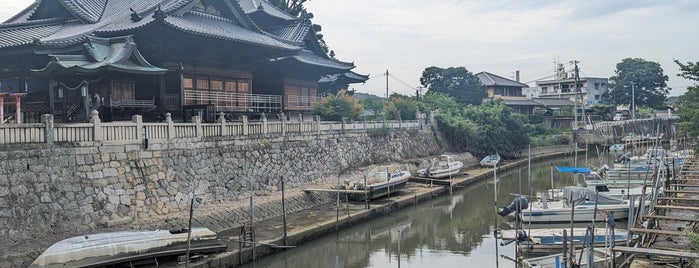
[576, 195]
[572, 169]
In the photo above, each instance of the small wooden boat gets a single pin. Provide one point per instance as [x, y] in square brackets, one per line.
[443, 167]
[380, 181]
[490, 160]
[109, 249]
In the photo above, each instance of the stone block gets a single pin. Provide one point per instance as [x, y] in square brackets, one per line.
[125, 200]
[45, 197]
[110, 172]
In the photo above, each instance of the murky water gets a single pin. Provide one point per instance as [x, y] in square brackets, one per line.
[448, 231]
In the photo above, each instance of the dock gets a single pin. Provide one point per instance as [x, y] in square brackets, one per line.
[664, 234]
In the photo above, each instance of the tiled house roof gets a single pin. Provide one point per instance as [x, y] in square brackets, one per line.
[489, 79]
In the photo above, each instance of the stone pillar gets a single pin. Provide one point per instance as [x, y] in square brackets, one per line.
[96, 125]
[400, 121]
[197, 122]
[264, 123]
[246, 127]
[364, 123]
[170, 126]
[343, 123]
[224, 127]
[140, 132]
[317, 119]
[47, 119]
[283, 119]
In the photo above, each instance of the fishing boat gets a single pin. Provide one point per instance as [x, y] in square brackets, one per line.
[444, 166]
[490, 160]
[600, 257]
[579, 205]
[115, 248]
[549, 240]
[380, 181]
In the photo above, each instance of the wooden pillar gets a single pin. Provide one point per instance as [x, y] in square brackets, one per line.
[18, 107]
[52, 96]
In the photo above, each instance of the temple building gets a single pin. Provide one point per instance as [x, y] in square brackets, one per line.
[149, 57]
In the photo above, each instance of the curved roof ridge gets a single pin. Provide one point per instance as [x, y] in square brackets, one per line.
[209, 16]
[21, 24]
[86, 10]
[26, 12]
[179, 6]
[264, 6]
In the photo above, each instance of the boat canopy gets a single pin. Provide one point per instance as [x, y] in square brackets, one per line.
[576, 195]
[572, 169]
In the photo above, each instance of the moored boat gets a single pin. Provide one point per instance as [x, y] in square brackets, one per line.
[600, 257]
[490, 160]
[108, 249]
[443, 167]
[549, 240]
[380, 181]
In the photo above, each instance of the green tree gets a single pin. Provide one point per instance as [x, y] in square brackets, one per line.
[406, 106]
[374, 105]
[688, 104]
[647, 78]
[456, 82]
[336, 107]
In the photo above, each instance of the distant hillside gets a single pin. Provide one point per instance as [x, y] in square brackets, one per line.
[361, 96]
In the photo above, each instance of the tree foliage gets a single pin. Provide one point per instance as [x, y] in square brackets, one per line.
[480, 129]
[296, 8]
[406, 106]
[456, 82]
[336, 107]
[647, 78]
[688, 104]
[375, 106]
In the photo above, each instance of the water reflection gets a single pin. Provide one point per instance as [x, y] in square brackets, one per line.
[449, 231]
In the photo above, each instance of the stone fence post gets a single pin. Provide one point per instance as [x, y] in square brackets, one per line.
[197, 124]
[264, 123]
[47, 119]
[140, 131]
[364, 123]
[246, 127]
[96, 126]
[224, 128]
[400, 121]
[344, 121]
[317, 119]
[170, 126]
[283, 119]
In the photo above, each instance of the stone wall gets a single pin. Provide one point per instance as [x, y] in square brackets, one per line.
[47, 194]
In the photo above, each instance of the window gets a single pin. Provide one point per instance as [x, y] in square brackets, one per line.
[544, 90]
[188, 83]
[597, 97]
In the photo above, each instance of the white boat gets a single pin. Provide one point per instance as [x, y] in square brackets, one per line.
[617, 147]
[442, 167]
[490, 160]
[380, 181]
[109, 249]
[549, 240]
[600, 258]
[585, 209]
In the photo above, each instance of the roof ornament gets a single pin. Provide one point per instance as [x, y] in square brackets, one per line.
[159, 14]
[134, 16]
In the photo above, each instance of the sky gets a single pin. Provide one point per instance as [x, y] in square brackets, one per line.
[498, 36]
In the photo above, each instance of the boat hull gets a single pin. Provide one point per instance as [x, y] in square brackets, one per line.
[380, 190]
[581, 215]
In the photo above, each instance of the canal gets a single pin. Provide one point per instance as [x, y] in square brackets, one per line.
[448, 231]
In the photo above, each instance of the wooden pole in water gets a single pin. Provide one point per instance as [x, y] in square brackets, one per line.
[495, 203]
[337, 206]
[572, 224]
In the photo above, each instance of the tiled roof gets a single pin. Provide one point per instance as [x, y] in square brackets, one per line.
[521, 103]
[489, 79]
[216, 27]
[295, 31]
[252, 6]
[308, 57]
[18, 34]
[87, 10]
[350, 77]
[114, 54]
[553, 102]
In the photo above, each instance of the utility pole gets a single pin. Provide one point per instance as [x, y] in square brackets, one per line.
[633, 101]
[575, 94]
[387, 84]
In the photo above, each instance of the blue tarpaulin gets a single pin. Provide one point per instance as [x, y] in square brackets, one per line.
[572, 169]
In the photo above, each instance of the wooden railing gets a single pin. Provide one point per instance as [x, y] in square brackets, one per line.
[136, 131]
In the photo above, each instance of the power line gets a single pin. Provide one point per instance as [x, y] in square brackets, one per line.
[404, 83]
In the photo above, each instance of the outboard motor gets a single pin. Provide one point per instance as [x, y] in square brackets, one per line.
[518, 204]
